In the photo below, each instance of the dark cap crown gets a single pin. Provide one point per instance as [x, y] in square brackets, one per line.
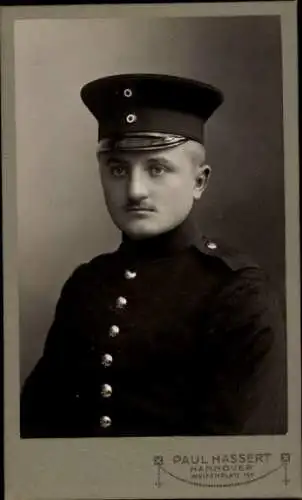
[151, 103]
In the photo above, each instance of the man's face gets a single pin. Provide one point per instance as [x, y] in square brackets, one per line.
[149, 193]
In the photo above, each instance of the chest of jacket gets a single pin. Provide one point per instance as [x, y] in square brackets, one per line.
[151, 318]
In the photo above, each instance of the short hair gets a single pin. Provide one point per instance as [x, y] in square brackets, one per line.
[197, 152]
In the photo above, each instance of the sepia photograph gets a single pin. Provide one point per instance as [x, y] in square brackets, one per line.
[152, 247]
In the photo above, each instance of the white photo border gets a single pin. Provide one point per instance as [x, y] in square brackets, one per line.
[145, 468]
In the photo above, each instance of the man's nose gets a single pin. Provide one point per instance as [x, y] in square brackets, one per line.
[137, 186]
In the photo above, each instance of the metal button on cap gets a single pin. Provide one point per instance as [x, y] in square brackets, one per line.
[121, 302]
[211, 245]
[131, 118]
[127, 92]
[107, 360]
[114, 331]
[130, 275]
[106, 390]
[105, 421]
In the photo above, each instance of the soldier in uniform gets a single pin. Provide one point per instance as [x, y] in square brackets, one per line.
[172, 333]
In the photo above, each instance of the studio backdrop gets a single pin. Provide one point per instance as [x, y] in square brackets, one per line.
[62, 218]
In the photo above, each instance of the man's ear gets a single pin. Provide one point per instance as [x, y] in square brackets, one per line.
[201, 180]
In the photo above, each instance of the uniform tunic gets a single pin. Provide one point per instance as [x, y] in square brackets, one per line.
[170, 336]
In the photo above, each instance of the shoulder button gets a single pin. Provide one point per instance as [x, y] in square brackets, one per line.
[232, 258]
[211, 245]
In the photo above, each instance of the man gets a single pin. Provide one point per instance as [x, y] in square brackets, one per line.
[171, 334]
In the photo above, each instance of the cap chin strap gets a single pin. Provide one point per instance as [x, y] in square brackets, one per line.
[140, 141]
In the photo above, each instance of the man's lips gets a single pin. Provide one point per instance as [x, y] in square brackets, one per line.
[140, 209]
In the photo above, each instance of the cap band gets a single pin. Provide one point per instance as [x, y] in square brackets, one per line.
[116, 122]
[140, 141]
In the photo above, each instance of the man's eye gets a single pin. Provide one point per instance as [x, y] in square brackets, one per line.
[156, 170]
[118, 171]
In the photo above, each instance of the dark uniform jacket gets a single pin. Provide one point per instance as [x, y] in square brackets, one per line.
[172, 336]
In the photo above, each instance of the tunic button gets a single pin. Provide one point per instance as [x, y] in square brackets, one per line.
[114, 331]
[105, 421]
[211, 245]
[106, 390]
[107, 360]
[130, 275]
[131, 118]
[121, 302]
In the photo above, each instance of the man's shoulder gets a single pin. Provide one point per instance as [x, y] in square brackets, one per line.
[236, 273]
[227, 255]
[89, 270]
[245, 289]
[243, 280]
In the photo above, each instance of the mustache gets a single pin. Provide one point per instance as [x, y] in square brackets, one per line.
[133, 205]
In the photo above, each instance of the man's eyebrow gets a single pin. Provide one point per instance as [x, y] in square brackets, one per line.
[115, 159]
[160, 159]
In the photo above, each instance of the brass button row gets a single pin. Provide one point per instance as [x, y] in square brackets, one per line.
[114, 330]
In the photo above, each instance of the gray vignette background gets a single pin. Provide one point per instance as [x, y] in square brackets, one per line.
[62, 219]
